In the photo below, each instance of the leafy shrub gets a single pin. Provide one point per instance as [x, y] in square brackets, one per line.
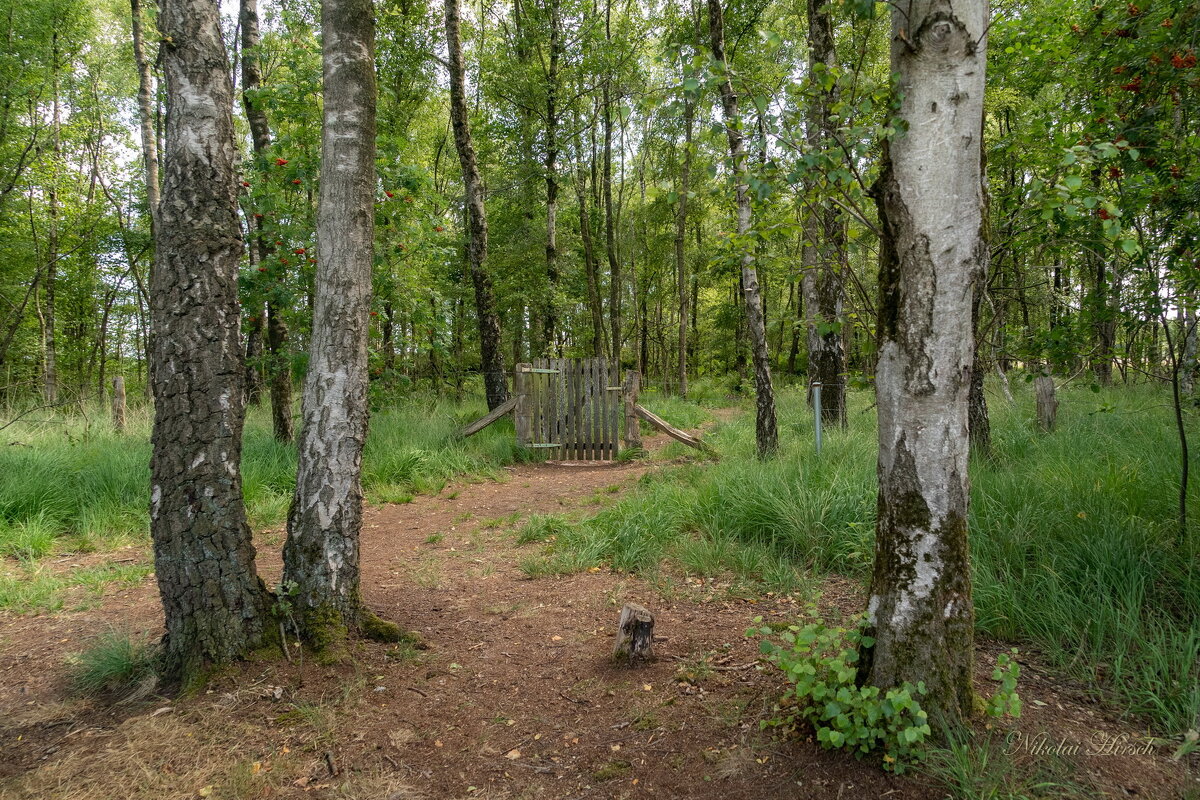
[820, 662]
[1005, 701]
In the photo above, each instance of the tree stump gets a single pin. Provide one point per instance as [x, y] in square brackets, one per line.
[1047, 403]
[635, 636]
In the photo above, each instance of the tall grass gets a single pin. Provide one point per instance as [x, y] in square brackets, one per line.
[70, 483]
[1071, 533]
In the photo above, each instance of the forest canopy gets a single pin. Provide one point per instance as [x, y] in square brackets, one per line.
[607, 119]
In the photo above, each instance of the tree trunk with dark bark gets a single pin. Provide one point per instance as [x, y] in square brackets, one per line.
[321, 555]
[595, 306]
[254, 347]
[278, 362]
[766, 432]
[824, 250]
[930, 201]
[550, 312]
[49, 319]
[610, 237]
[491, 358]
[978, 424]
[681, 278]
[214, 603]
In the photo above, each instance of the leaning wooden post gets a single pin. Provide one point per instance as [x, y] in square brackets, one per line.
[521, 412]
[633, 429]
[635, 635]
[118, 404]
[1047, 403]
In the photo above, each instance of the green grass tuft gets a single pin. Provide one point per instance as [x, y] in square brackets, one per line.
[542, 528]
[117, 664]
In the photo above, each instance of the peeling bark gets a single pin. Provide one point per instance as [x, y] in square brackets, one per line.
[321, 555]
[145, 100]
[214, 604]
[933, 250]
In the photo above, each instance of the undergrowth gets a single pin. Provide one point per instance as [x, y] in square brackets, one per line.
[1072, 534]
[70, 484]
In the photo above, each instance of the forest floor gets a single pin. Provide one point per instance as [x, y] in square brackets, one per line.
[514, 695]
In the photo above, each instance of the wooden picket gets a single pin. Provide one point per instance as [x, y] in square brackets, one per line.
[570, 408]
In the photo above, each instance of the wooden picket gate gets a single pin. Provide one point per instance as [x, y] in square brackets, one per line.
[569, 407]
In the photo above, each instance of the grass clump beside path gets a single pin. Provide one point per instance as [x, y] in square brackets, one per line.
[70, 484]
[1072, 533]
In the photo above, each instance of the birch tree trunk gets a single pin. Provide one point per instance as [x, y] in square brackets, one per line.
[214, 603]
[278, 367]
[145, 100]
[766, 432]
[825, 246]
[320, 556]
[491, 356]
[930, 201]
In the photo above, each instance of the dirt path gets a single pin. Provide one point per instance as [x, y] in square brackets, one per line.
[515, 696]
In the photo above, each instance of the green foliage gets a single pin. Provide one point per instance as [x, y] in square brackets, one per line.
[1005, 702]
[820, 663]
[117, 664]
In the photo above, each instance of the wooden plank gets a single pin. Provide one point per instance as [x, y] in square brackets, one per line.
[608, 403]
[552, 410]
[538, 381]
[673, 432]
[493, 415]
[590, 410]
[564, 409]
[585, 409]
[602, 403]
[598, 408]
[547, 420]
[573, 408]
[614, 404]
[521, 413]
[534, 433]
[581, 409]
[556, 406]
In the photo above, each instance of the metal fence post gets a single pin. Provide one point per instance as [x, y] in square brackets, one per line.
[816, 390]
